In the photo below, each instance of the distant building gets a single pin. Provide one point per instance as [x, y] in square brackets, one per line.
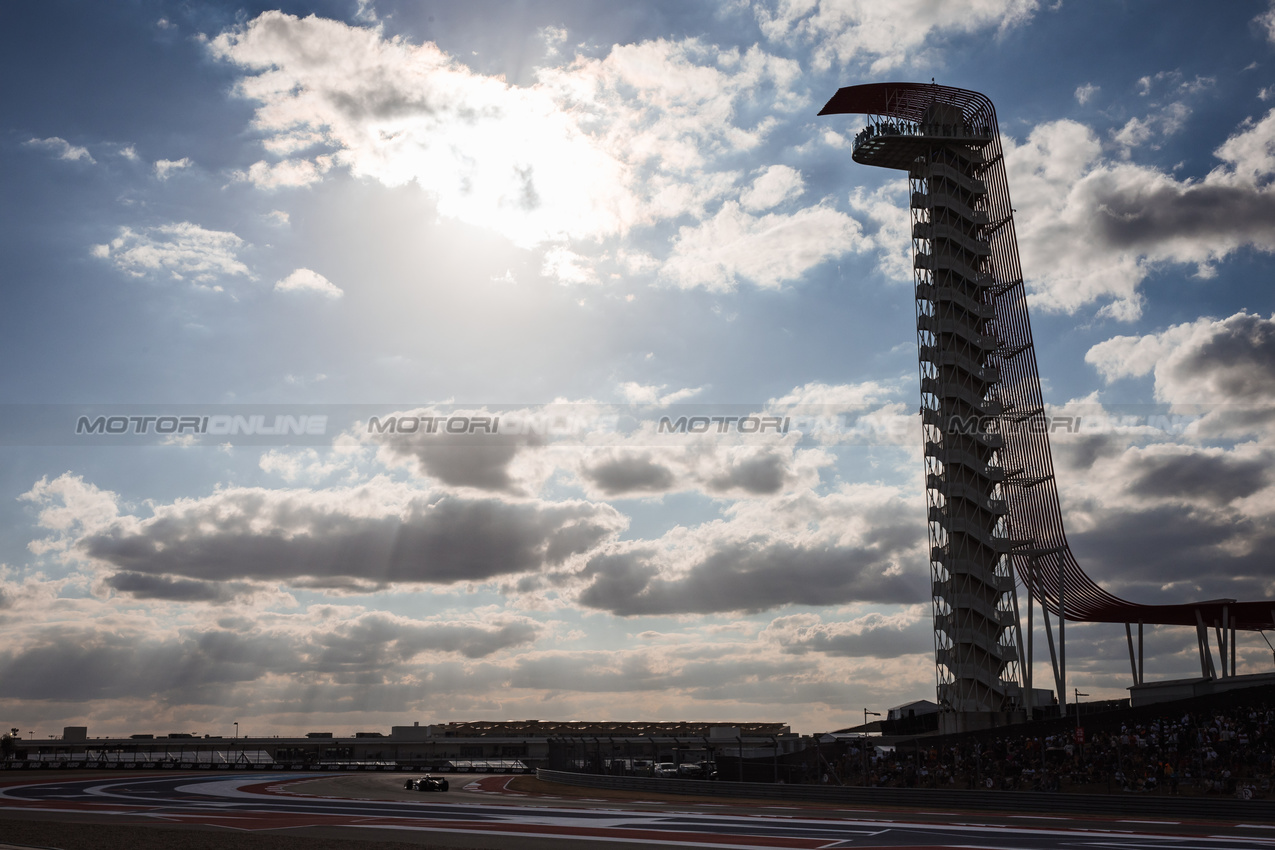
[916, 708]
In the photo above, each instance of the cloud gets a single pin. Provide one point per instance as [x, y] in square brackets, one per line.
[79, 663]
[873, 635]
[286, 173]
[649, 461]
[484, 458]
[650, 394]
[183, 250]
[1146, 506]
[1249, 154]
[567, 267]
[398, 112]
[1149, 131]
[742, 578]
[640, 138]
[62, 149]
[836, 398]
[142, 586]
[1214, 361]
[885, 36]
[369, 536]
[305, 280]
[629, 474]
[1086, 92]
[1222, 368]
[887, 209]
[1092, 229]
[767, 250]
[304, 464]
[773, 186]
[611, 451]
[716, 469]
[165, 168]
[784, 551]
[1266, 21]
[68, 503]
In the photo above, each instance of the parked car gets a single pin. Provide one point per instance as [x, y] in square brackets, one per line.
[666, 769]
[426, 783]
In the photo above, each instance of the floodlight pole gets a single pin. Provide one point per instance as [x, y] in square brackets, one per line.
[864, 743]
[1080, 741]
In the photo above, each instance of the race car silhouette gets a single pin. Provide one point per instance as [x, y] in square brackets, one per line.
[426, 783]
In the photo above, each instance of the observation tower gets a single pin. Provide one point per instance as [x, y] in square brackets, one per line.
[994, 517]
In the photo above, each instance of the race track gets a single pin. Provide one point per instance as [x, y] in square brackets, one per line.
[484, 813]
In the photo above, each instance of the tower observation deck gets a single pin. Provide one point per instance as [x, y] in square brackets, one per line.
[993, 506]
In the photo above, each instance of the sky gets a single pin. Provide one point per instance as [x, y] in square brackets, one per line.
[534, 231]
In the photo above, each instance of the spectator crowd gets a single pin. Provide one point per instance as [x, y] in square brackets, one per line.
[1228, 752]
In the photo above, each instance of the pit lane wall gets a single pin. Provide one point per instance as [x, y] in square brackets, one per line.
[1175, 808]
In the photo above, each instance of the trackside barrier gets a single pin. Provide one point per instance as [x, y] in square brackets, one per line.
[1177, 808]
[491, 766]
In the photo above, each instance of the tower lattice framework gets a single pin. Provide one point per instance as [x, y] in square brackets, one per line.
[993, 506]
[966, 264]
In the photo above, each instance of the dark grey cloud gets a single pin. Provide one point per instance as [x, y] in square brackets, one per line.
[285, 535]
[627, 672]
[1212, 478]
[75, 664]
[479, 456]
[748, 577]
[1079, 452]
[1237, 360]
[1141, 218]
[629, 474]
[143, 586]
[461, 460]
[78, 665]
[873, 636]
[1171, 554]
[377, 638]
[761, 475]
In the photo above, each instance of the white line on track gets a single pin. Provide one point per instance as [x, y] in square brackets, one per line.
[1155, 822]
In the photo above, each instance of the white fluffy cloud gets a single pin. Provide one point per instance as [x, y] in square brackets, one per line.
[593, 150]
[1266, 20]
[62, 149]
[767, 250]
[165, 168]
[1221, 369]
[306, 280]
[884, 35]
[653, 395]
[1092, 229]
[887, 209]
[183, 250]
[773, 186]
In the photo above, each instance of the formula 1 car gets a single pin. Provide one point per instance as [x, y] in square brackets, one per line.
[426, 783]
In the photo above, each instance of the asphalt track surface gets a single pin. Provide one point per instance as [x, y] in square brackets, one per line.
[485, 813]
